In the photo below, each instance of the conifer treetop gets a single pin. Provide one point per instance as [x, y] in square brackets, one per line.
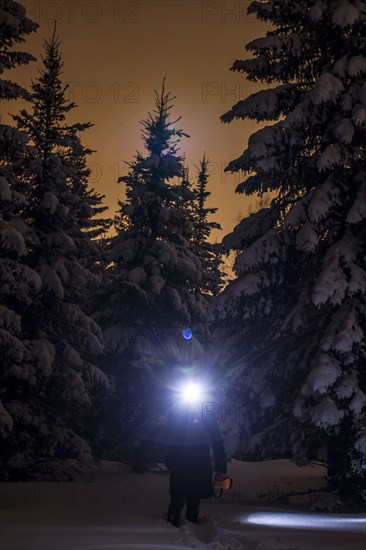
[48, 122]
[159, 134]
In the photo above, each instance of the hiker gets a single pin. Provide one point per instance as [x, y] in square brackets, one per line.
[190, 438]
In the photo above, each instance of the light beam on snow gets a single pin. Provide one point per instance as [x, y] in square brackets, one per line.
[307, 521]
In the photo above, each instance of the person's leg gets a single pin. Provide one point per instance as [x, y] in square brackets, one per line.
[177, 501]
[193, 505]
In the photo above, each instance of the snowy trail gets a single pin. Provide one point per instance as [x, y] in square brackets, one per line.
[122, 511]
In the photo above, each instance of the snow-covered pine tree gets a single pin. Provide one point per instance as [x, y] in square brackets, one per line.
[208, 253]
[66, 340]
[89, 207]
[155, 272]
[297, 309]
[155, 277]
[18, 283]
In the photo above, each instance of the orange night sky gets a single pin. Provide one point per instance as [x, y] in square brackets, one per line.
[116, 52]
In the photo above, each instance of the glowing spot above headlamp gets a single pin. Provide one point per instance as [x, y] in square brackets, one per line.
[187, 333]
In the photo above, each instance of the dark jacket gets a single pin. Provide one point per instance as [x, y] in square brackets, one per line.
[188, 454]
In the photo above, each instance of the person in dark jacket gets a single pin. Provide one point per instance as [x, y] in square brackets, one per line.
[188, 458]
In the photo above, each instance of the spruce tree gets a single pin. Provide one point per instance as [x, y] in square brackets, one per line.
[18, 283]
[155, 273]
[66, 340]
[155, 276]
[296, 311]
[208, 253]
[89, 209]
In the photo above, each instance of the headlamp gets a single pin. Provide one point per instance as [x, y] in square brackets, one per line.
[191, 392]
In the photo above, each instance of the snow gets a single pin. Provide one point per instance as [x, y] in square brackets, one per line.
[332, 282]
[356, 65]
[307, 238]
[44, 353]
[15, 349]
[187, 268]
[78, 274]
[150, 162]
[358, 403]
[94, 344]
[166, 253]
[119, 510]
[59, 267]
[31, 277]
[12, 135]
[295, 117]
[72, 356]
[331, 156]
[326, 413]
[9, 320]
[359, 114]
[345, 14]
[323, 375]
[123, 250]
[343, 332]
[357, 281]
[361, 444]
[136, 275]
[98, 376]
[260, 141]
[296, 215]
[340, 67]
[250, 284]
[316, 12]
[295, 42]
[52, 281]
[345, 130]
[264, 104]
[327, 88]
[357, 211]
[174, 299]
[270, 42]
[59, 240]
[322, 200]
[265, 250]
[346, 387]
[346, 102]
[330, 285]
[11, 239]
[249, 229]
[170, 165]
[50, 202]
[157, 284]
[76, 391]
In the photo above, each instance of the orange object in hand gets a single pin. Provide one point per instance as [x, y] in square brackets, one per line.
[225, 483]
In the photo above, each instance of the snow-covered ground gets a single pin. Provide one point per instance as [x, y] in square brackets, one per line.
[119, 510]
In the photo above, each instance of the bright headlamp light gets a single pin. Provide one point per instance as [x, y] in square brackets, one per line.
[191, 393]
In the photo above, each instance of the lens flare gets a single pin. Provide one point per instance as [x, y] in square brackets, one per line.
[186, 369]
[187, 333]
